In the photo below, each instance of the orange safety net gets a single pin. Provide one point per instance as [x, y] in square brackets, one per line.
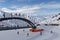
[36, 30]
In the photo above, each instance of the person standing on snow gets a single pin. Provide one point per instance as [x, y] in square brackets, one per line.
[40, 33]
[18, 33]
[27, 34]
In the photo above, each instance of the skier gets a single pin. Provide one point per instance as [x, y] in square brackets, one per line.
[18, 33]
[27, 34]
[23, 30]
[11, 14]
[51, 31]
[40, 33]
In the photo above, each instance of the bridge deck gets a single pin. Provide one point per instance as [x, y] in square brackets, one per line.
[11, 28]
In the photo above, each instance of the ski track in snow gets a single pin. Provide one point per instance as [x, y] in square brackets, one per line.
[34, 37]
[55, 35]
[11, 35]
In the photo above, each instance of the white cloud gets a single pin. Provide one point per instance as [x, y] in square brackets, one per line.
[28, 9]
[35, 8]
[6, 10]
[49, 6]
[25, 9]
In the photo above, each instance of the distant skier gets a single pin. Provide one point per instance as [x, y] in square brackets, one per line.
[51, 31]
[23, 30]
[11, 15]
[19, 14]
[27, 34]
[18, 33]
[40, 33]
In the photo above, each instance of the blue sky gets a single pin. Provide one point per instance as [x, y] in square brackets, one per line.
[41, 7]
[7, 3]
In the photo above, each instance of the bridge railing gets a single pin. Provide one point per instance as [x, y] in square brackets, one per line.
[18, 27]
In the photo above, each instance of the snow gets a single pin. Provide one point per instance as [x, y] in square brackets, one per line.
[46, 34]
[51, 20]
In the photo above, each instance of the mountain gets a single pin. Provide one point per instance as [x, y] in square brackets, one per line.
[49, 33]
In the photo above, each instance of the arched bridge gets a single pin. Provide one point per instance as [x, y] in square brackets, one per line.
[19, 18]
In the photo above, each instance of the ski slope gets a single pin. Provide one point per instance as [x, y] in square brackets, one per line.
[46, 34]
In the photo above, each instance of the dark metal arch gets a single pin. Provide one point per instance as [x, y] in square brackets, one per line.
[26, 20]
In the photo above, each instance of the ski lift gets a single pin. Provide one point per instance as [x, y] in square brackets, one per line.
[36, 30]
